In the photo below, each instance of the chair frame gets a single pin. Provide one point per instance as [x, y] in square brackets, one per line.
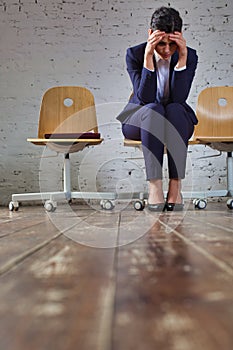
[56, 116]
[215, 129]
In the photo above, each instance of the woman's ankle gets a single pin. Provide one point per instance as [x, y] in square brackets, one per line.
[156, 191]
[174, 191]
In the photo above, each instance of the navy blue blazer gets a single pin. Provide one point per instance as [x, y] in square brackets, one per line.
[145, 82]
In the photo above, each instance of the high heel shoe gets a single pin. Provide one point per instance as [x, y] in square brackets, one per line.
[174, 206]
[158, 207]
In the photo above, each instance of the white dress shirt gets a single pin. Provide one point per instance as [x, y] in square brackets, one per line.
[163, 72]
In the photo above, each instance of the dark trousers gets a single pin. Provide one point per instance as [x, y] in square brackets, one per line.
[157, 126]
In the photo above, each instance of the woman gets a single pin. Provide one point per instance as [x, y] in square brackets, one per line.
[161, 70]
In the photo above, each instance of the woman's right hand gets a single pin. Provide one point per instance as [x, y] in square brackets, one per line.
[153, 39]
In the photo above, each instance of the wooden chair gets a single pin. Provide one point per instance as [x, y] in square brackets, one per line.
[215, 129]
[67, 124]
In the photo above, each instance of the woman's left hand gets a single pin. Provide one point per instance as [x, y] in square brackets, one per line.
[180, 41]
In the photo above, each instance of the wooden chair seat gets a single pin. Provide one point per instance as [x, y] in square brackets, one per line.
[66, 145]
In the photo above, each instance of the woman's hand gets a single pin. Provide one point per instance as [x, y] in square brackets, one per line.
[153, 39]
[178, 38]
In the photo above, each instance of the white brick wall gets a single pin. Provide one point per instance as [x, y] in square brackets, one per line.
[50, 42]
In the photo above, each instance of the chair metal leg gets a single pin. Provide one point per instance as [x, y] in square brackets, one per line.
[230, 174]
[66, 176]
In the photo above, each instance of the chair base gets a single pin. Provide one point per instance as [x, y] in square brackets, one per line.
[217, 193]
[51, 198]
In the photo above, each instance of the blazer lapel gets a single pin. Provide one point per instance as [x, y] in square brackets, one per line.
[174, 60]
[154, 60]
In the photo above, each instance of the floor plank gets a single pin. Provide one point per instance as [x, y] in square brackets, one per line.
[84, 278]
[59, 299]
[172, 290]
[31, 229]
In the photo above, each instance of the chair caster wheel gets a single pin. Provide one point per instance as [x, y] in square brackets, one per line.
[107, 204]
[13, 206]
[200, 203]
[230, 203]
[50, 206]
[139, 205]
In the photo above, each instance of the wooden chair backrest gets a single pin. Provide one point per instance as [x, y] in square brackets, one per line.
[215, 112]
[67, 109]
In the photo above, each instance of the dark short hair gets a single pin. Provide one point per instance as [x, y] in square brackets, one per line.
[166, 19]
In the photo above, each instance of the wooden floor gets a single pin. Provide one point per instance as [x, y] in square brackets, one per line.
[85, 279]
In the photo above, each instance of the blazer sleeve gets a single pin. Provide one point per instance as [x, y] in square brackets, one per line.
[182, 80]
[143, 80]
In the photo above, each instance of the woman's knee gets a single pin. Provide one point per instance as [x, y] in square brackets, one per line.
[174, 108]
[157, 107]
[178, 120]
[176, 114]
[152, 115]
